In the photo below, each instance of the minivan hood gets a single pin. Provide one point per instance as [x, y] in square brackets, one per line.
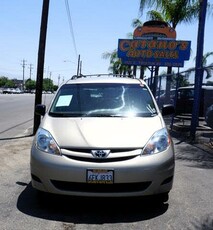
[102, 132]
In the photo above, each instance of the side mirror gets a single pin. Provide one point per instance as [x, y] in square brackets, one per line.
[168, 110]
[40, 109]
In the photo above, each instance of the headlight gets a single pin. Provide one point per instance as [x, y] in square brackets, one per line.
[46, 143]
[159, 142]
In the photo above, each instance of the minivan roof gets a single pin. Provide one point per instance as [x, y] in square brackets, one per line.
[208, 87]
[104, 79]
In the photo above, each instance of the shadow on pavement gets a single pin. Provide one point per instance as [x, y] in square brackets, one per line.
[88, 210]
[196, 154]
[206, 223]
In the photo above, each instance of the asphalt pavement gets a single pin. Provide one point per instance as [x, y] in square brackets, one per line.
[19, 206]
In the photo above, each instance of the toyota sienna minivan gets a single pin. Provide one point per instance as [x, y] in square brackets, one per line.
[103, 136]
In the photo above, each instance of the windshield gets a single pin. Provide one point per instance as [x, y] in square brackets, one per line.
[103, 100]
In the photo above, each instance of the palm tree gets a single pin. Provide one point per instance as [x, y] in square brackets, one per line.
[208, 69]
[173, 12]
[114, 60]
[135, 23]
[116, 65]
[205, 57]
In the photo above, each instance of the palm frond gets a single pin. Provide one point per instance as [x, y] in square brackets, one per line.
[110, 55]
[136, 22]
[155, 15]
[209, 71]
[206, 55]
[149, 4]
[130, 35]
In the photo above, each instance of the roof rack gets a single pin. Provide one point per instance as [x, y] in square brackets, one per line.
[100, 75]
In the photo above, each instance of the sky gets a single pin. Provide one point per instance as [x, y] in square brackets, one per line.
[96, 27]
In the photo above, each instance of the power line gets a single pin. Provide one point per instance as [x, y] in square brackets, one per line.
[70, 25]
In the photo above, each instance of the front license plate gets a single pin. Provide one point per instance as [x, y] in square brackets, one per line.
[100, 176]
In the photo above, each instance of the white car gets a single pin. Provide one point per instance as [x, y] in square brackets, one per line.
[103, 136]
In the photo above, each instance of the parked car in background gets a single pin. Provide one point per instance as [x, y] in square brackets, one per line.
[6, 91]
[18, 91]
[185, 100]
[103, 136]
[161, 97]
[209, 116]
[11, 91]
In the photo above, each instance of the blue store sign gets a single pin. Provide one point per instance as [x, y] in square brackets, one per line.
[149, 52]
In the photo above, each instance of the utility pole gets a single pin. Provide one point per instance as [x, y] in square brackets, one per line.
[50, 85]
[50, 75]
[31, 67]
[40, 65]
[59, 80]
[23, 67]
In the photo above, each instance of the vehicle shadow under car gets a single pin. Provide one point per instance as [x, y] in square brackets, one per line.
[80, 210]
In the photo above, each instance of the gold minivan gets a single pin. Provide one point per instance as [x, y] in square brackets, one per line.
[103, 136]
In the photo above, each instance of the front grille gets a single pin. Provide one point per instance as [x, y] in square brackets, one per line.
[101, 188]
[100, 160]
[114, 156]
[116, 150]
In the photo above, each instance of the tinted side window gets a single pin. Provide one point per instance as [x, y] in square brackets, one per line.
[185, 100]
[186, 94]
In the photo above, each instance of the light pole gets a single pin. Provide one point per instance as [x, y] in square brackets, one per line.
[198, 68]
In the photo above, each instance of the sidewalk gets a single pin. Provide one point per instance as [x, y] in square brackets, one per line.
[204, 135]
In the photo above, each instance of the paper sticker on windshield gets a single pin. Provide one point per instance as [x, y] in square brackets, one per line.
[64, 100]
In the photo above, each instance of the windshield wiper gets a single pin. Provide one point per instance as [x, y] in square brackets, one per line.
[65, 114]
[100, 115]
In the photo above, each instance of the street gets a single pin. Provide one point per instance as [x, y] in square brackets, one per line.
[17, 113]
[190, 204]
